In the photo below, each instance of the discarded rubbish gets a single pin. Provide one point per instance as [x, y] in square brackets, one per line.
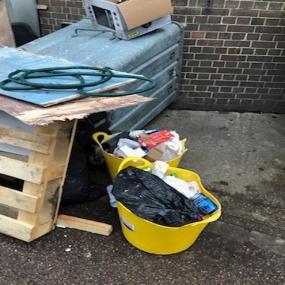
[151, 198]
[112, 198]
[159, 168]
[118, 146]
[136, 134]
[156, 144]
[148, 196]
[204, 205]
[111, 143]
[191, 190]
[127, 148]
[154, 139]
[152, 235]
[153, 143]
[128, 19]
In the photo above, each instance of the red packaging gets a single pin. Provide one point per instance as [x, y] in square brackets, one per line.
[155, 139]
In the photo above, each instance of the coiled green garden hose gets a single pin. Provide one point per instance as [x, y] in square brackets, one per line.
[22, 78]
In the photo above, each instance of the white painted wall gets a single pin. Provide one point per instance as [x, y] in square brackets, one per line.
[24, 11]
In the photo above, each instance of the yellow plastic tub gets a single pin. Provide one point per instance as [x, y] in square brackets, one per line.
[113, 162]
[157, 239]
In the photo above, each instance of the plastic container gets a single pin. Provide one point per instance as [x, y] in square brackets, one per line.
[113, 162]
[157, 239]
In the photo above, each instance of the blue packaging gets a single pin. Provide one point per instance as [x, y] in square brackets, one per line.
[204, 204]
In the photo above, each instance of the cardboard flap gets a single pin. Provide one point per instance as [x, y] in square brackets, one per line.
[139, 12]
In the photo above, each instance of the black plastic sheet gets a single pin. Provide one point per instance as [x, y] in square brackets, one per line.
[149, 197]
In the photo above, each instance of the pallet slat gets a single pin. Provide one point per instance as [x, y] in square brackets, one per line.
[21, 170]
[16, 137]
[18, 200]
[14, 228]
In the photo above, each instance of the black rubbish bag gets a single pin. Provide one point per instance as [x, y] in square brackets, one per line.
[150, 198]
[111, 144]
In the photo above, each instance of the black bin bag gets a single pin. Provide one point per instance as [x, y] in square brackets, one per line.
[150, 198]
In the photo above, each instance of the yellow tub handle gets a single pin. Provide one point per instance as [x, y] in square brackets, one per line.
[99, 138]
[137, 162]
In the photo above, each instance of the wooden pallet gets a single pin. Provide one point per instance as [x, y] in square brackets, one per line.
[31, 211]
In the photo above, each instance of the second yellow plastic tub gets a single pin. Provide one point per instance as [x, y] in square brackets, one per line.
[113, 162]
[157, 239]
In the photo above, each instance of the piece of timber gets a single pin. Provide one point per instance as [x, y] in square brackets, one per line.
[65, 221]
[34, 115]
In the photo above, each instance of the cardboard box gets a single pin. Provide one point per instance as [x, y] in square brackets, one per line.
[131, 18]
[156, 153]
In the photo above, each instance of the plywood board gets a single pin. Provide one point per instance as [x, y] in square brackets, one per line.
[14, 59]
[34, 115]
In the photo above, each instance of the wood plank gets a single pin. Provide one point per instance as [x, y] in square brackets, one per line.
[65, 221]
[18, 200]
[34, 115]
[21, 170]
[17, 137]
[14, 228]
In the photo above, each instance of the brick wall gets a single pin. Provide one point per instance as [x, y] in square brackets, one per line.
[234, 56]
[234, 52]
[59, 11]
